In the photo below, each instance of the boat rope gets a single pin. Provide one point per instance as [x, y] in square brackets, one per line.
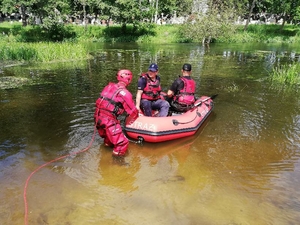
[47, 163]
[139, 141]
[176, 122]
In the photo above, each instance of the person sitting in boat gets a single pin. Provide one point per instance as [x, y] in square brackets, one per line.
[148, 94]
[113, 101]
[182, 91]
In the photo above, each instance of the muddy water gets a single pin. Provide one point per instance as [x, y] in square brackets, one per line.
[242, 167]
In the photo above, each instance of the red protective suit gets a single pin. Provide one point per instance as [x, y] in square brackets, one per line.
[113, 101]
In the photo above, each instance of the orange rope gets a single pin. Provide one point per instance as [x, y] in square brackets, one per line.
[45, 164]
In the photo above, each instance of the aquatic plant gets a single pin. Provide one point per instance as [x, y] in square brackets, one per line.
[232, 88]
[42, 52]
[286, 74]
[10, 82]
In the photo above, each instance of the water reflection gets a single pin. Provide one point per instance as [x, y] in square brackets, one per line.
[244, 162]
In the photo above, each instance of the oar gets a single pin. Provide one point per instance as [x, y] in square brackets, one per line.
[211, 97]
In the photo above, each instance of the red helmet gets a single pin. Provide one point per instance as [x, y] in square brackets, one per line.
[124, 76]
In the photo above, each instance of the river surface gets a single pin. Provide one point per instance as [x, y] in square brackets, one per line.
[241, 168]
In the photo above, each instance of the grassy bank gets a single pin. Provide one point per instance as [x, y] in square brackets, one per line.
[264, 34]
[32, 43]
[65, 43]
[149, 33]
[146, 33]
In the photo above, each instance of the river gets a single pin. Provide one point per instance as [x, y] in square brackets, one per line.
[242, 167]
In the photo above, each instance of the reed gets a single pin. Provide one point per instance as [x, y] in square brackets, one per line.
[286, 74]
[42, 52]
[232, 88]
[60, 51]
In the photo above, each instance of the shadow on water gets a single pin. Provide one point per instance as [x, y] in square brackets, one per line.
[241, 167]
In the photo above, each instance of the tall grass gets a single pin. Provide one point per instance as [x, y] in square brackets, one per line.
[42, 52]
[264, 34]
[286, 74]
[60, 51]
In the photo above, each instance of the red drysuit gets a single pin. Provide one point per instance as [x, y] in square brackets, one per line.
[113, 101]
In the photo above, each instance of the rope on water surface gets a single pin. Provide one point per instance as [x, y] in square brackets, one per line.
[45, 164]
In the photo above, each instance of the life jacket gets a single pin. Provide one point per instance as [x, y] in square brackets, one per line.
[152, 89]
[186, 95]
[107, 102]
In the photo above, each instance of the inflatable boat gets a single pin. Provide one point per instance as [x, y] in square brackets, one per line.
[177, 125]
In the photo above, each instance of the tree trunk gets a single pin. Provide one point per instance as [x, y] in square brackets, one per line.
[156, 12]
[249, 16]
[84, 17]
[123, 28]
[23, 15]
[284, 20]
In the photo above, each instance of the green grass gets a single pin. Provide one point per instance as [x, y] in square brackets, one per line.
[42, 52]
[61, 43]
[286, 74]
[162, 34]
[264, 34]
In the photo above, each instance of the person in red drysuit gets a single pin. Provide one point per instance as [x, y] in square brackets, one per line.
[113, 101]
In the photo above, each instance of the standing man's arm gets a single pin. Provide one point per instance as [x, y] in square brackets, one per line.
[141, 85]
[138, 99]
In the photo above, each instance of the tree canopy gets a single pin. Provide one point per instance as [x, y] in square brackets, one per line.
[203, 19]
[136, 11]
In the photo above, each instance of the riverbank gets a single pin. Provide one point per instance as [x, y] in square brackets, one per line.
[31, 43]
[146, 33]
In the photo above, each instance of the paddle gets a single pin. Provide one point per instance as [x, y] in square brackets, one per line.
[211, 97]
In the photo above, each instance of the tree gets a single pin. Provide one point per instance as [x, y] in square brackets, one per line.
[14, 6]
[182, 8]
[287, 9]
[217, 21]
[250, 13]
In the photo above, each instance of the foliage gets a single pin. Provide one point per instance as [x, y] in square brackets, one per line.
[216, 22]
[282, 7]
[182, 8]
[297, 15]
[56, 32]
[286, 74]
